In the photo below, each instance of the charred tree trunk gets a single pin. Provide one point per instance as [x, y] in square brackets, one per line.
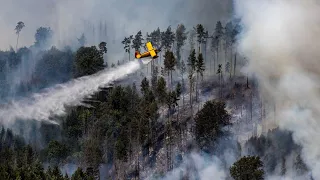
[169, 141]
[251, 104]
[197, 87]
[247, 81]
[274, 110]
[182, 93]
[235, 63]
[210, 66]
[217, 59]
[231, 63]
[191, 106]
[170, 79]
[17, 42]
[225, 56]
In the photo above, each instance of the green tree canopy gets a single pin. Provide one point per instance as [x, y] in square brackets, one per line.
[181, 37]
[192, 60]
[88, 61]
[247, 168]
[56, 151]
[127, 43]
[43, 36]
[103, 47]
[145, 87]
[155, 37]
[209, 123]
[169, 61]
[161, 90]
[200, 33]
[137, 41]
[200, 67]
[82, 40]
[19, 27]
[167, 38]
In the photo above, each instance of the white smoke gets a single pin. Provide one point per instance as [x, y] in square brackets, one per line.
[281, 39]
[196, 166]
[68, 18]
[53, 100]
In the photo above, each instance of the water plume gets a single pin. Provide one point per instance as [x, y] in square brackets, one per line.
[52, 101]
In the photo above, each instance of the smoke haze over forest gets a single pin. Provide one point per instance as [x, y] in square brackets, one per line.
[67, 17]
[259, 71]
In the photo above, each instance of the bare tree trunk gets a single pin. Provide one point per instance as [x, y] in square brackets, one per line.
[17, 42]
[160, 58]
[251, 104]
[197, 87]
[129, 55]
[130, 143]
[241, 110]
[220, 77]
[210, 68]
[205, 52]
[231, 63]
[191, 98]
[247, 80]
[147, 69]
[235, 63]
[182, 93]
[171, 79]
[169, 85]
[169, 142]
[105, 30]
[261, 109]
[138, 153]
[100, 30]
[93, 34]
[225, 56]
[217, 59]
[274, 110]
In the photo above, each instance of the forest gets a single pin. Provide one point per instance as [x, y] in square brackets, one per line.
[194, 98]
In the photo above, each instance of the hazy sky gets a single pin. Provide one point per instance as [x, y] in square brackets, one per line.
[124, 17]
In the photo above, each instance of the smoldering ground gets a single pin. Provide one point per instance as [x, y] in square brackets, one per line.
[281, 41]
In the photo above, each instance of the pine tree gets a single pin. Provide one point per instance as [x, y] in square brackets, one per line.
[192, 68]
[250, 167]
[199, 69]
[161, 90]
[218, 34]
[228, 43]
[169, 64]
[137, 41]
[181, 37]
[220, 78]
[102, 47]
[127, 44]
[200, 35]
[82, 40]
[183, 70]
[145, 86]
[167, 38]
[18, 29]
[283, 166]
[215, 51]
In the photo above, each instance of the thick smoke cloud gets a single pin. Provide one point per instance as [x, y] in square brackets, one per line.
[68, 17]
[281, 39]
[196, 166]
